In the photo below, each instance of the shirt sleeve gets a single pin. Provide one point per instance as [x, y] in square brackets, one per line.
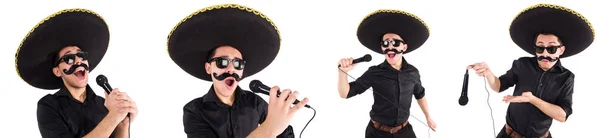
[565, 98]
[287, 133]
[419, 91]
[509, 79]
[194, 124]
[50, 121]
[361, 84]
[263, 108]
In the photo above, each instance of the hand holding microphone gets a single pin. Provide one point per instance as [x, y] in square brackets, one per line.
[280, 112]
[259, 87]
[117, 102]
[347, 64]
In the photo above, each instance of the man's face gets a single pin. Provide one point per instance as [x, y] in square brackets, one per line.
[548, 46]
[391, 43]
[72, 61]
[226, 60]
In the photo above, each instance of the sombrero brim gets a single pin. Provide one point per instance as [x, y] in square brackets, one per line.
[411, 28]
[35, 56]
[575, 32]
[247, 30]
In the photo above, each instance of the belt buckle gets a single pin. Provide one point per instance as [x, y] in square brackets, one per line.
[392, 129]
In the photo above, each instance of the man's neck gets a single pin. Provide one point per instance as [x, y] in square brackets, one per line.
[398, 64]
[227, 100]
[77, 93]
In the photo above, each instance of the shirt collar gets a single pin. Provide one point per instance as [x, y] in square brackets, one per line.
[405, 65]
[90, 95]
[211, 95]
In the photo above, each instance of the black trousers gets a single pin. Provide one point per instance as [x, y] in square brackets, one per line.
[502, 134]
[406, 132]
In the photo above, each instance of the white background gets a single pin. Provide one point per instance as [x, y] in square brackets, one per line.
[315, 35]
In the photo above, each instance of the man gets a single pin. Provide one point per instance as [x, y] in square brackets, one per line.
[59, 53]
[543, 87]
[223, 44]
[391, 33]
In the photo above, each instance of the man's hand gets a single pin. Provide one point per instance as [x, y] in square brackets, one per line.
[280, 112]
[346, 65]
[480, 68]
[431, 124]
[119, 104]
[525, 97]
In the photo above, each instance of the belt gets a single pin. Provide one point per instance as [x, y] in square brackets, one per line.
[511, 133]
[390, 129]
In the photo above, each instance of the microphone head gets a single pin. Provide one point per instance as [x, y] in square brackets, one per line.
[254, 85]
[101, 80]
[367, 57]
[463, 100]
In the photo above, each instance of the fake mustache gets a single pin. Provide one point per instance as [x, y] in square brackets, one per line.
[392, 50]
[540, 58]
[74, 67]
[225, 75]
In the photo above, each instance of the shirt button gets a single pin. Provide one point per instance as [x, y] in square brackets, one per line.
[235, 127]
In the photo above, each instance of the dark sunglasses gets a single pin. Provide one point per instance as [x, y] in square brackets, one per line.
[70, 58]
[394, 42]
[223, 62]
[551, 49]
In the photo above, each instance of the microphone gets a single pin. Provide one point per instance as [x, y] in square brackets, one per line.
[257, 86]
[464, 99]
[103, 82]
[365, 58]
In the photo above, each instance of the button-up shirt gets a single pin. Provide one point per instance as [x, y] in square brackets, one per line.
[62, 116]
[398, 86]
[554, 86]
[208, 117]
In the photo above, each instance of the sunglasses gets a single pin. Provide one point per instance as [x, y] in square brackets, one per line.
[223, 62]
[70, 58]
[394, 42]
[551, 49]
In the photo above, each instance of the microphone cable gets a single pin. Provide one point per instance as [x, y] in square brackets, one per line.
[490, 106]
[428, 130]
[313, 117]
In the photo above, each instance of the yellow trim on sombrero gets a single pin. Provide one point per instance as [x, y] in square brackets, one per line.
[396, 11]
[41, 22]
[223, 6]
[558, 7]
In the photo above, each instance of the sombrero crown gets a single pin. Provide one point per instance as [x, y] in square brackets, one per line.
[411, 28]
[574, 30]
[248, 30]
[69, 27]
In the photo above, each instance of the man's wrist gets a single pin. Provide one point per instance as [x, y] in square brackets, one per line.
[113, 117]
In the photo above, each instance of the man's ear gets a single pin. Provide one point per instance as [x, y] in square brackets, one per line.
[405, 47]
[56, 71]
[207, 68]
[562, 50]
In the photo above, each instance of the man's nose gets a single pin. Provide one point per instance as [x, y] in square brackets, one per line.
[78, 60]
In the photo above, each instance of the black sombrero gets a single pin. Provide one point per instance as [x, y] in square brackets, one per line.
[247, 30]
[572, 28]
[70, 27]
[411, 28]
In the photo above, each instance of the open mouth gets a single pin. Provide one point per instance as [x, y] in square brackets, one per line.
[80, 74]
[229, 81]
[391, 55]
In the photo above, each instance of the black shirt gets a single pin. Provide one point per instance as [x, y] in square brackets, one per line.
[208, 117]
[398, 86]
[62, 116]
[553, 86]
